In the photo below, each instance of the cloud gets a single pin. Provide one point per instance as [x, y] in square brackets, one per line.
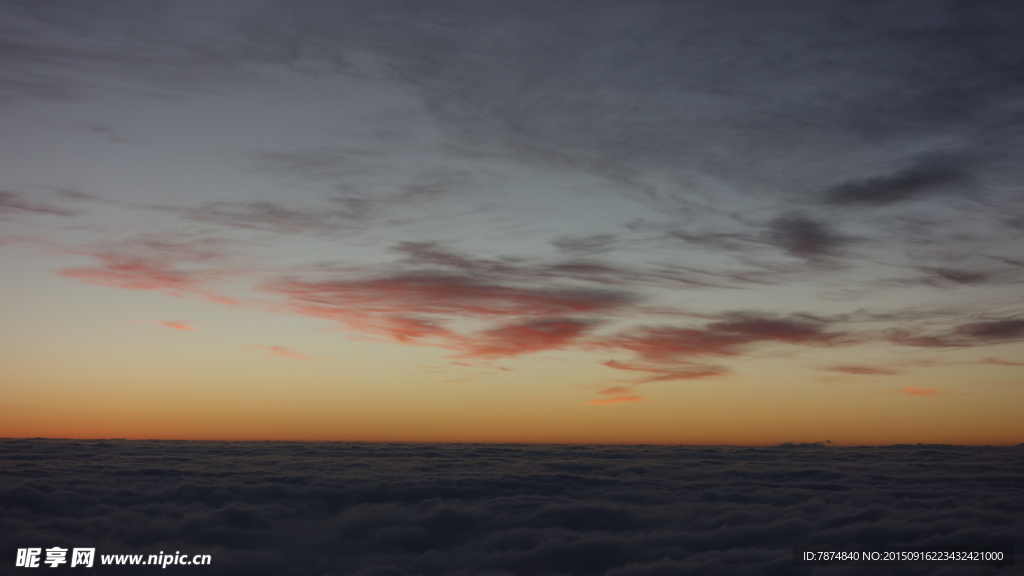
[865, 370]
[929, 175]
[432, 308]
[803, 237]
[434, 256]
[615, 400]
[585, 245]
[13, 203]
[184, 269]
[667, 353]
[667, 372]
[955, 276]
[996, 330]
[912, 391]
[273, 217]
[501, 509]
[525, 337]
[727, 337]
[279, 351]
[963, 335]
[999, 362]
[616, 390]
[176, 325]
[447, 294]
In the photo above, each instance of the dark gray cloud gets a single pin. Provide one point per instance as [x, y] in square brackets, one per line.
[958, 276]
[928, 176]
[804, 237]
[963, 335]
[290, 509]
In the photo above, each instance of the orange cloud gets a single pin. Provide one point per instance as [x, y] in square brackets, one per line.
[176, 325]
[615, 400]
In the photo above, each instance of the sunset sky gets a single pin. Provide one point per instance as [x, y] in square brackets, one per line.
[527, 221]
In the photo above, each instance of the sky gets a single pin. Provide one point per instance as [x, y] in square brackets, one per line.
[530, 221]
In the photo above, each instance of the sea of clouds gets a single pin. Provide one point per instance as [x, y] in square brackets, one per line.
[316, 509]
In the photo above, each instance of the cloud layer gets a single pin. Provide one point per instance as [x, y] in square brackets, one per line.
[396, 509]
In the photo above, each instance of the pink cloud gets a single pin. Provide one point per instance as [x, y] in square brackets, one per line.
[181, 269]
[176, 325]
[524, 337]
[433, 309]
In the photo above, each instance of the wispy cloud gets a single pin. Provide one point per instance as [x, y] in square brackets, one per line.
[615, 400]
[669, 353]
[963, 335]
[180, 268]
[429, 308]
[865, 370]
[279, 351]
[12, 203]
[804, 237]
[666, 372]
[912, 391]
[176, 325]
[932, 174]
[727, 337]
[525, 337]
[999, 362]
[276, 218]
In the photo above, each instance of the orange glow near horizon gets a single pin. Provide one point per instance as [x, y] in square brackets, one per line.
[313, 405]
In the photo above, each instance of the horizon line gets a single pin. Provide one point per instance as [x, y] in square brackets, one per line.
[823, 444]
